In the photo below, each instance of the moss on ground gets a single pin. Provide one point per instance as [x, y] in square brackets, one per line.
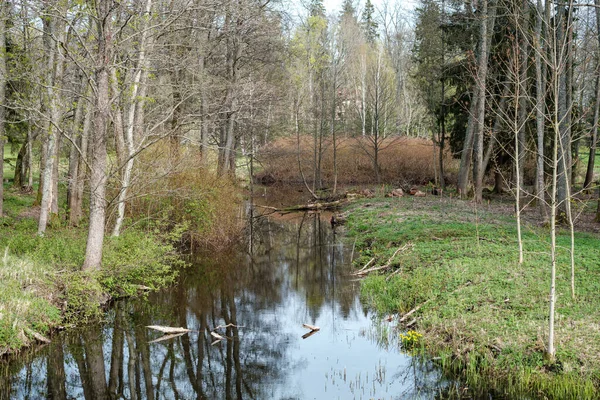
[481, 314]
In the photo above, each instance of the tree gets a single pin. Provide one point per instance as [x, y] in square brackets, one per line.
[3, 78]
[93, 253]
[369, 24]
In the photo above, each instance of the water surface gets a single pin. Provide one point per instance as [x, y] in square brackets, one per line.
[294, 271]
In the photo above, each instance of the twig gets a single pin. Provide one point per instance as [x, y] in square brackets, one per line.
[227, 326]
[396, 272]
[366, 266]
[364, 271]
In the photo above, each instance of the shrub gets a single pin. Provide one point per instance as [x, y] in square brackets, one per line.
[403, 161]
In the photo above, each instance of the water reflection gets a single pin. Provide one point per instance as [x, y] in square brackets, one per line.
[292, 272]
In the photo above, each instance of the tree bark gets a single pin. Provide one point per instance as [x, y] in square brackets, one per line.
[589, 175]
[131, 119]
[564, 138]
[98, 177]
[540, 73]
[75, 206]
[46, 184]
[487, 25]
[3, 19]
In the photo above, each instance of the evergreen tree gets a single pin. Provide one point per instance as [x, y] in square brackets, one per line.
[368, 23]
[348, 9]
[316, 8]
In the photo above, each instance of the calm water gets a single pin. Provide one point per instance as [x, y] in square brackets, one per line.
[293, 271]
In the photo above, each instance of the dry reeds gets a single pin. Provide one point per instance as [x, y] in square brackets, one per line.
[402, 161]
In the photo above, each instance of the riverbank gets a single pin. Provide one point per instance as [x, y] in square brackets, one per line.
[482, 315]
[42, 286]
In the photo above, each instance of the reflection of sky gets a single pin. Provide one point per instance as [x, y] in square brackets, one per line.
[273, 298]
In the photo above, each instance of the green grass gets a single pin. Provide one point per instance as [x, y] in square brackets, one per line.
[481, 312]
[41, 282]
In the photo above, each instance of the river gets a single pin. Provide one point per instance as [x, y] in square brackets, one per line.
[294, 271]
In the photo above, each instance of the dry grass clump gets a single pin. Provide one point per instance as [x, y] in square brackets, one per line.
[25, 306]
[178, 193]
[402, 161]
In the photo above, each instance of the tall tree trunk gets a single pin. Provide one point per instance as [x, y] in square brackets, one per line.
[129, 138]
[523, 100]
[117, 120]
[75, 146]
[467, 150]
[3, 78]
[589, 175]
[76, 202]
[487, 25]
[564, 139]
[49, 25]
[95, 240]
[540, 105]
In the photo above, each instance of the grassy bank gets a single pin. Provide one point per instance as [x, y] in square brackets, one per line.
[481, 314]
[42, 286]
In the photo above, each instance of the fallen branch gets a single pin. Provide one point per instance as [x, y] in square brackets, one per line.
[167, 337]
[227, 326]
[313, 330]
[365, 267]
[37, 336]
[305, 207]
[217, 336]
[364, 271]
[168, 329]
[311, 327]
[411, 312]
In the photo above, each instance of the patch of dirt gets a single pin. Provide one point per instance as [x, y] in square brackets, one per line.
[30, 212]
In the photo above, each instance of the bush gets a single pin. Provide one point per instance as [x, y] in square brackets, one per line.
[403, 161]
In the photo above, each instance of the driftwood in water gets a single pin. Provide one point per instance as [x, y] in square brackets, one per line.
[306, 207]
[311, 327]
[167, 337]
[168, 329]
[313, 330]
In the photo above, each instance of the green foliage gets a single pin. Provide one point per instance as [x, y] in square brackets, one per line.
[368, 23]
[475, 301]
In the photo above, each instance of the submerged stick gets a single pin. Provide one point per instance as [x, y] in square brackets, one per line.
[168, 329]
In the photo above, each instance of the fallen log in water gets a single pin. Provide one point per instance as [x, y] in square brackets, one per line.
[306, 207]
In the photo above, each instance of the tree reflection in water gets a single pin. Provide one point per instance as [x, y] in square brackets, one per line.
[292, 272]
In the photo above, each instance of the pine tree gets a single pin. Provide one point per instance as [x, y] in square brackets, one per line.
[348, 9]
[316, 8]
[368, 23]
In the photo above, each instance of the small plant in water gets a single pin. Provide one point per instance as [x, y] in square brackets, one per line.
[410, 339]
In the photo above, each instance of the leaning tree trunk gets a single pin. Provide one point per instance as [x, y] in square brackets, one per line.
[98, 175]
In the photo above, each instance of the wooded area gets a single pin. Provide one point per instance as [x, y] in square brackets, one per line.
[88, 87]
